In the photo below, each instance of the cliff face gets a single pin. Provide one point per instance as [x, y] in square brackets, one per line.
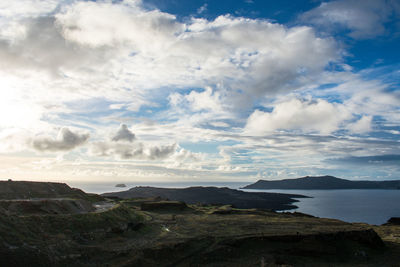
[323, 182]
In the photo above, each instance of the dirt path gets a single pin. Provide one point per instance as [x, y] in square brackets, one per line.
[103, 206]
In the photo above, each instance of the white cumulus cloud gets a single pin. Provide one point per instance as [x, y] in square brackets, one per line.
[307, 116]
[363, 125]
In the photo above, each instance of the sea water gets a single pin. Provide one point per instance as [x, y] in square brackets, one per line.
[373, 206]
[350, 205]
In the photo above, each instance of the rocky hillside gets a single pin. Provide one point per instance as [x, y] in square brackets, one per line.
[37, 198]
[27, 190]
[195, 236]
[156, 232]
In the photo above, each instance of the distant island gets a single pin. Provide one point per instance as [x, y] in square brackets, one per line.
[213, 195]
[323, 182]
[120, 185]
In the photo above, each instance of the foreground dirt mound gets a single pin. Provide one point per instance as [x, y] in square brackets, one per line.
[333, 249]
[199, 236]
[65, 239]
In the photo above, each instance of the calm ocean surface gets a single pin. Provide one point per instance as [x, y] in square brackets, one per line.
[350, 205]
[358, 205]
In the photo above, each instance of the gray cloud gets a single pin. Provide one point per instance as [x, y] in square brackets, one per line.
[122, 146]
[66, 140]
[124, 134]
[161, 152]
[384, 160]
[123, 151]
[363, 18]
[137, 151]
[41, 46]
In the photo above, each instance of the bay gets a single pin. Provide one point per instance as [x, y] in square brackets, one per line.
[350, 205]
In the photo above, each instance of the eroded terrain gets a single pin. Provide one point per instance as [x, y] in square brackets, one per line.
[156, 232]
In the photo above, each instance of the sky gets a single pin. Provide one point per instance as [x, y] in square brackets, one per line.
[201, 90]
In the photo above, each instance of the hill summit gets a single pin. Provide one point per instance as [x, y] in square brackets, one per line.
[27, 189]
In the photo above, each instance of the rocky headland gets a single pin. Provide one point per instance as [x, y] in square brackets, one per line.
[322, 182]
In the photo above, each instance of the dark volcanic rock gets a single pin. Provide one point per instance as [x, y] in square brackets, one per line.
[323, 182]
[394, 221]
[213, 195]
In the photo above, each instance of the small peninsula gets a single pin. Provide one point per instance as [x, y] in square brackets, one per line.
[213, 195]
[322, 182]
